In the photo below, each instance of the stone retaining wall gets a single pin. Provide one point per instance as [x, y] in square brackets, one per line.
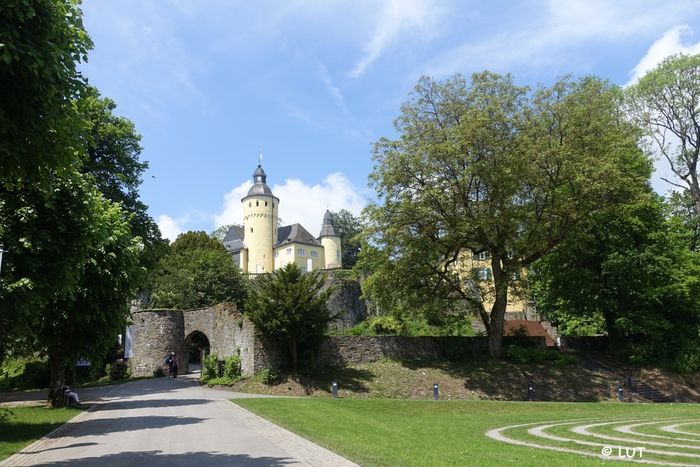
[340, 351]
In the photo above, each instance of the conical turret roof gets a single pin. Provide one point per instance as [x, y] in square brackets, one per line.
[259, 183]
[328, 228]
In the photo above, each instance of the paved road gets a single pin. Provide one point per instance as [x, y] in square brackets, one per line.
[164, 422]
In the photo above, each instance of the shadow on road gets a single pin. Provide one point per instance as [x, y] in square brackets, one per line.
[157, 458]
[114, 425]
[150, 403]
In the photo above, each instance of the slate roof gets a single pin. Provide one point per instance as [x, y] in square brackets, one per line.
[328, 228]
[295, 233]
[233, 241]
[259, 184]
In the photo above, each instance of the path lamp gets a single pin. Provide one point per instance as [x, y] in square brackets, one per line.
[2, 250]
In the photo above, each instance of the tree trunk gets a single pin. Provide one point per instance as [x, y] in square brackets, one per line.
[57, 378]
[498, 311]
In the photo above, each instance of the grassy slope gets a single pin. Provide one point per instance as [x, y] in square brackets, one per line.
[472, 380]
[27, 424]
[407, 433]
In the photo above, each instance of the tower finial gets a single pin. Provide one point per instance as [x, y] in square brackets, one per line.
[260, 157]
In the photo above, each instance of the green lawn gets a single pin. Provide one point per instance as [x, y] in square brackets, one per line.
[27, 424]
[391, 432]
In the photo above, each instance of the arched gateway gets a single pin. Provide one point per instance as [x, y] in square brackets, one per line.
[156, 333]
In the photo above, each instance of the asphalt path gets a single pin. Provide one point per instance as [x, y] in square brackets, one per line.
[167, 422]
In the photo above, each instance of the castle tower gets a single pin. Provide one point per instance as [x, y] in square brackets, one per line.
[260, 223]
[332, 254]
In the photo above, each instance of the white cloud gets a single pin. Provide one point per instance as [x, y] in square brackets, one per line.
[299, 202]
[170, 228]
[670, 43]
[543, 35]
[419, 17]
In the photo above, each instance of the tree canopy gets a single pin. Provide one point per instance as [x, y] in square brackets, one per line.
[666, 103]
[491, 166]
[197, 271]
[348, 227]
[40, 127]
[76, 233]
[627, 272]
[288, 307]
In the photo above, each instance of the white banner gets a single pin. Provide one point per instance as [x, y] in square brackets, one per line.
[129, 342]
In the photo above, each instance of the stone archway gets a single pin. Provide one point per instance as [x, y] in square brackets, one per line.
[197, 346]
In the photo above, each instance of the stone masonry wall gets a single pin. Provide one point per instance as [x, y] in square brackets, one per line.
[340, 351]
[156, 334]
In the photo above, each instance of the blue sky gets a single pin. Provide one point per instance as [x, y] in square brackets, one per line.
[211, 83]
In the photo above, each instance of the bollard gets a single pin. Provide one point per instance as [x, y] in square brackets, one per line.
[530, 392]
[621, 394]
[334, 389]
[436, 392]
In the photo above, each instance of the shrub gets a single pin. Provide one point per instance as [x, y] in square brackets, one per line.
[118, 370]
[269, 377]
[688, 360]
[232, 367]
[518, 354]
[210, 365]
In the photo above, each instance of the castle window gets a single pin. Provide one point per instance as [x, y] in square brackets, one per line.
[300, 252]
[250, 203]
[314, 253]
[303, 269]
[482, 274]
[266, 203]
[277, 254]
[337, 255]
[257, 203]
[251, 230]
[482, 256]
[289, 251]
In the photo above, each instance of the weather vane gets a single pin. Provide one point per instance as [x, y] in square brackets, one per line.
[260, 157]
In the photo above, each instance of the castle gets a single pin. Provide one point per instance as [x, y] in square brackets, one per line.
[262, 246]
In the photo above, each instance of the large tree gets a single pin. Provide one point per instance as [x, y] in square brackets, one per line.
[490, 166]
[73, 266]
[627, 271]
[197, 271]
[40, 127]
[288, 308]
[86, 322]
[113, 160]
[666, 102]
[348, 228]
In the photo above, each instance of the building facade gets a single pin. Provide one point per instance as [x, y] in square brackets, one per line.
[261, 246]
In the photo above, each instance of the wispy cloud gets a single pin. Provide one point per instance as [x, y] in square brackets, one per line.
[332, 89]
[670, 43]
[543, 35]
[419, 17]
[299, 202]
